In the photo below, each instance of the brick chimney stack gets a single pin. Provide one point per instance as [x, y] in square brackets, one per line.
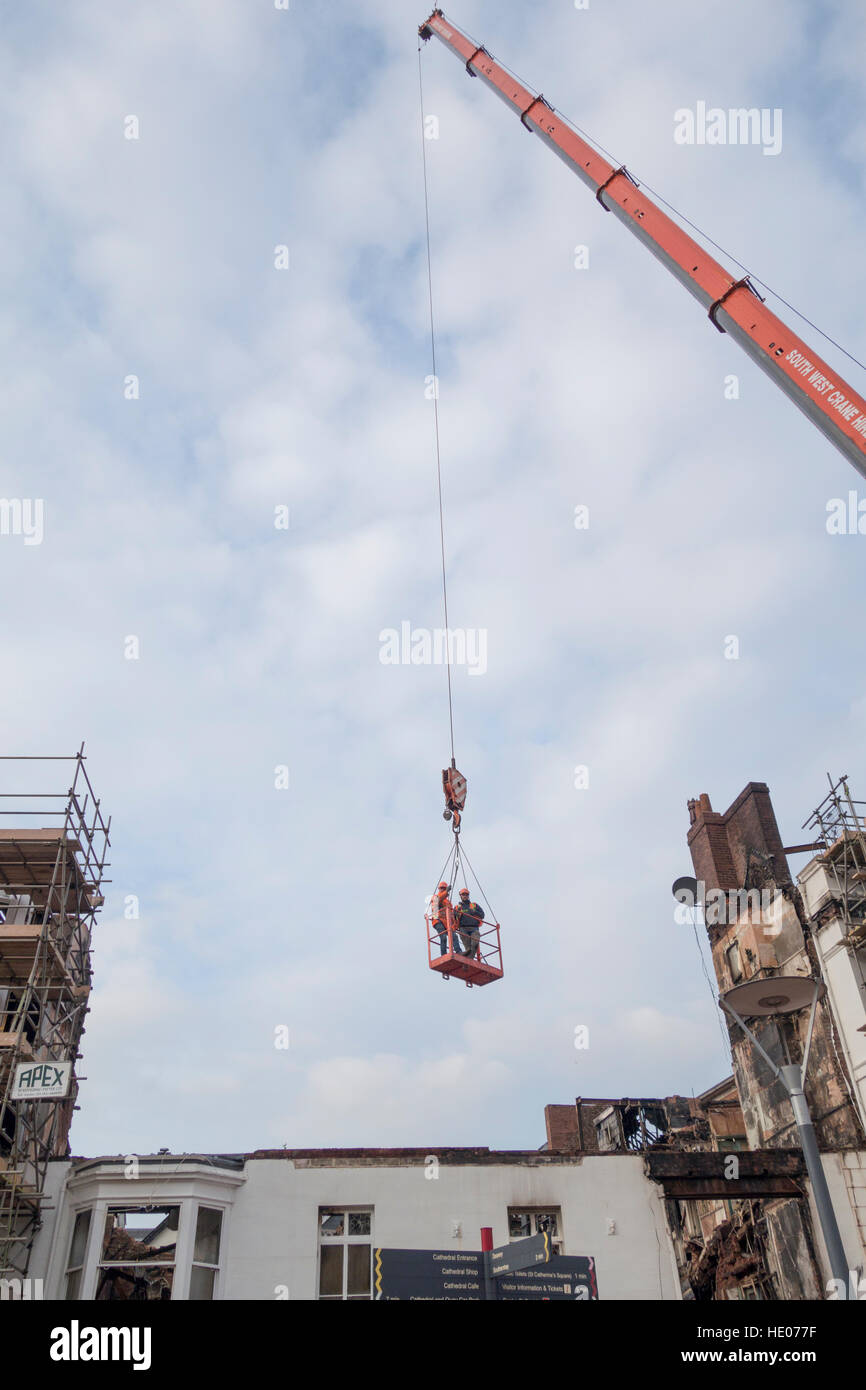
[722, 844]
[708, 842]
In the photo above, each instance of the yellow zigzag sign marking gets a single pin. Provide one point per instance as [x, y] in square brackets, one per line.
[378, 1268]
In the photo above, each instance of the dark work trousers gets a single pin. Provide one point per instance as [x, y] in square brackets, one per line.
[470, 936]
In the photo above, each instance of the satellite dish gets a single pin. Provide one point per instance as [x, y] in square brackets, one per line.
[781, 994]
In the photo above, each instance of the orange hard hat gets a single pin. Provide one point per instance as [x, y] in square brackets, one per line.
[464, 892]
[443, 885]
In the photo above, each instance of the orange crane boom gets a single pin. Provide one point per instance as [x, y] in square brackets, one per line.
[732, 304]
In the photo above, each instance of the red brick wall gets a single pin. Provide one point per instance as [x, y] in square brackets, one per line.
[561, 1124]
[720, 843]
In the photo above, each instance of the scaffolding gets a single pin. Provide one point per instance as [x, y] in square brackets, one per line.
[53, 854]
[838, 824]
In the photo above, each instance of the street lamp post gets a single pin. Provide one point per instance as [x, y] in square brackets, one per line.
[773, 997]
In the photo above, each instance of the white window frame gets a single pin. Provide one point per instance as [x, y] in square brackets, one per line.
[79, 1269]
[344, 1240]
[147, 1199]
[557, 1242]
[734, 951]
[609, 1127]
[99, 1190]
[203, 1264]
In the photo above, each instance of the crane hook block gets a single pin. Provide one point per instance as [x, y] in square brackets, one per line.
[454, 787]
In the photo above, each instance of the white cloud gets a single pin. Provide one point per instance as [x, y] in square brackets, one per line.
[260, 647]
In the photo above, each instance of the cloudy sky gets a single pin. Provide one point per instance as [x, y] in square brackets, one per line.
[261, 388]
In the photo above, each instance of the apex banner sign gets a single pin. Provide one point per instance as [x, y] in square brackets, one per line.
[41, 1081]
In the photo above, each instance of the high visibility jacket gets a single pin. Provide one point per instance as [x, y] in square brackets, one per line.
[469, 915]
[441, 901]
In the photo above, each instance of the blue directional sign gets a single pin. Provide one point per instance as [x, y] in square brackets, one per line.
[568, 1277]
[525, 1269]
[520, 1254]
[424, 1276]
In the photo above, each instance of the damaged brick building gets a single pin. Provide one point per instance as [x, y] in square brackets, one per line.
[740, 852]
[746, 1229]
[737, 1232]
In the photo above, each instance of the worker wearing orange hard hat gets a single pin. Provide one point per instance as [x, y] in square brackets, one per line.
[469, 918]
[442, 911]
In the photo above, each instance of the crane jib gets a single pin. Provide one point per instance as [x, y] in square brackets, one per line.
[730, 301]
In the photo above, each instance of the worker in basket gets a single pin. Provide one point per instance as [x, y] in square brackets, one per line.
[469, 918]
[442, 911]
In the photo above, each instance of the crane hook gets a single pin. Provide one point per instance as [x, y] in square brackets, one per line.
[454, 787]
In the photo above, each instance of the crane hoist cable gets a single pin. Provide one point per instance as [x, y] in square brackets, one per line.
[436, 403]
[453, 782]
[456, 862]
[465, 860]
[488, 964]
